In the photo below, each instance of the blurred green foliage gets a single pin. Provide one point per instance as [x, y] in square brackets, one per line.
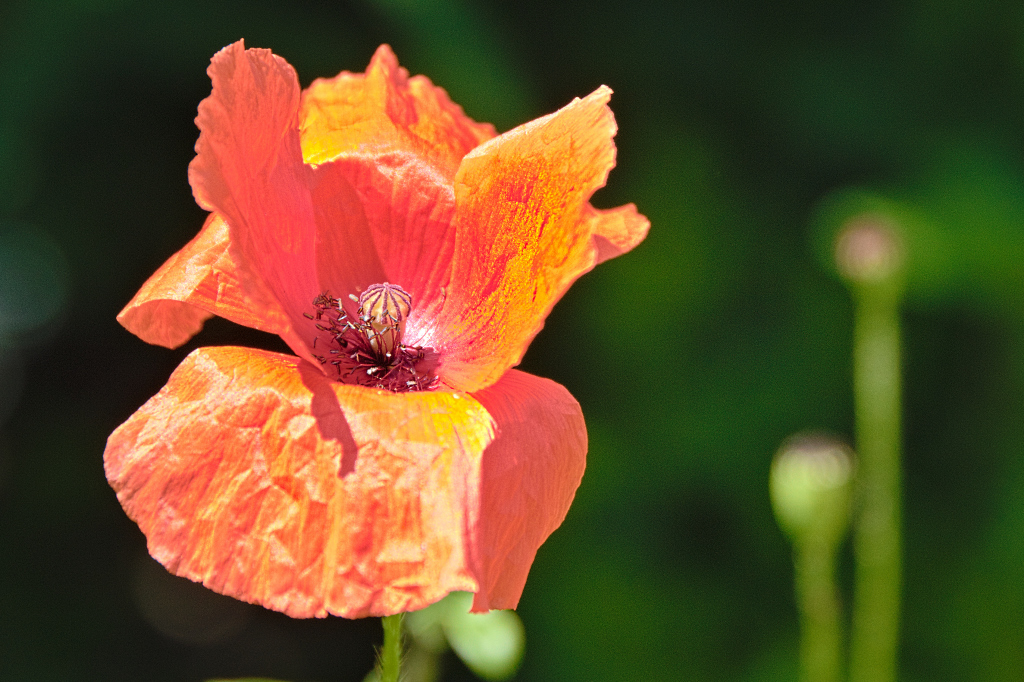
[747, 129]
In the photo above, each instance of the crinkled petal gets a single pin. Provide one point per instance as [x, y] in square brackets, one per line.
[252, 473]
[298, 229]
[248, 167]
[384, 111]
[199, 281]
[243, 170]
[525, 232]
[530, 475]
[398, 142]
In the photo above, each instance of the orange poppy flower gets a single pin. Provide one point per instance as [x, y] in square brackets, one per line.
[408, 256]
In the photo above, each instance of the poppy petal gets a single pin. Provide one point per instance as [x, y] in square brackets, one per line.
[252, 473]
[248, 167]
[524, 234]
[398, 141]
[530, 475]
[197, 282]
[616, 230]
[385, 111]
[346, 259]
[408, 215]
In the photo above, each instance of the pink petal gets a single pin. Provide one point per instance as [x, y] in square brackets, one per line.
[398, 142]
[530, 475]
[249, 168]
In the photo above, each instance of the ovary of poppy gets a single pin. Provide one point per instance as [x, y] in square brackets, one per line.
[313, 487]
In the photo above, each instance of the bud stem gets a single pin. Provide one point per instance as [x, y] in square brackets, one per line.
[877, 539]
[818, 601]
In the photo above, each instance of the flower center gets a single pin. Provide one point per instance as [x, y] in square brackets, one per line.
[367, 349]
[384, 308]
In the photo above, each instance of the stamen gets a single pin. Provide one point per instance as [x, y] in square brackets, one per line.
[369, 349]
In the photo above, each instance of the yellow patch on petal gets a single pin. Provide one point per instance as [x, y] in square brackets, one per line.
[524, 233]
[385, 111]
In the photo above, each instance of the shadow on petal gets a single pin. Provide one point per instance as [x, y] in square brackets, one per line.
[330, 419]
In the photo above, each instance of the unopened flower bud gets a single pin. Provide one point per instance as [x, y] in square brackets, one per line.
[868, 249]
[810, 487]
[385, 307]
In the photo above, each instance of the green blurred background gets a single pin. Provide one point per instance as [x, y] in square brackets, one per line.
[746, 130]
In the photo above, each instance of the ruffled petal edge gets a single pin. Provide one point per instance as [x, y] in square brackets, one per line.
[197, 282]
[385, 111]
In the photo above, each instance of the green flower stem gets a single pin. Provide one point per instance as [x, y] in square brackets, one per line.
[877, 541]
[818, 601]
[391, 652]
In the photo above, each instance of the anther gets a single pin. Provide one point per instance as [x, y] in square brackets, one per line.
[368, 344]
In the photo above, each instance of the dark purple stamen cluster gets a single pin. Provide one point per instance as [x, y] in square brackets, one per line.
[359, 360]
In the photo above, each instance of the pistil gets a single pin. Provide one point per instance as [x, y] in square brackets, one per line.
[384, 307]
